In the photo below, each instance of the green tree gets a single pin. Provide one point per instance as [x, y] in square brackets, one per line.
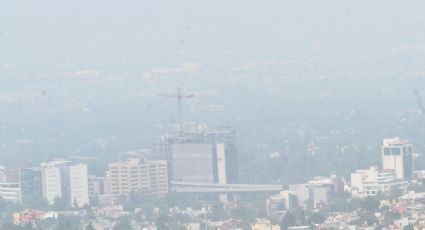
[245, 214]
[370, 204]
[288, 221]
[368, 217]
[390, 216]
[94, 202]
[59, 204]
[165, 222]
[123, 223]
[89, 227]
[28, 226]
[7, 209]
[300, 216]
[217, 212]
[315, 218]
[409, 227]
[10, 226]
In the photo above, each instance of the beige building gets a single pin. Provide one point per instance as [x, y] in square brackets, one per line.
[138, 175]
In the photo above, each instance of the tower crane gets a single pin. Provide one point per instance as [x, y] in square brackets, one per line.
[180, 96]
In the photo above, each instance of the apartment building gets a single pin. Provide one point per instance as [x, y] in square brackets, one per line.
[371, 182]
[10, 192]
[138, 175]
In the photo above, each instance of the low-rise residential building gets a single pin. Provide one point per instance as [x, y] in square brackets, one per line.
[316, 191]
[264, 224]
[278, 204]
[99, 190]
[371, 182]
[10, 192]
[27, 216]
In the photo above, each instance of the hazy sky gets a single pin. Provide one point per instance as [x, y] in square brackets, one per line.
[110, 29]
[99, 65]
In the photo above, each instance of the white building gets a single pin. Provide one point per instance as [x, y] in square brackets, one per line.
[370, 182]
[397, 155]
[316, 191]
[52, 183]
[278, 204]
[319, 194]
[79, 184]
[64, 180]
[10, 192]
[195, 153]
[184, 157]
[302, 192]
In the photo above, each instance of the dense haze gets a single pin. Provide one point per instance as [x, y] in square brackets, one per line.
[337, 74]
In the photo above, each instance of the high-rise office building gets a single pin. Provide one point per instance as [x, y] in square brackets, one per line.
[30, 182]
[397, 156]
[52, 183]
[79, 184]
[197, 154]
[66, 181]
[138, 175]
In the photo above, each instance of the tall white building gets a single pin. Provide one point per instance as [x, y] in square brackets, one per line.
[52, 183]
[64, 180]
[397, 156]
[79, 184]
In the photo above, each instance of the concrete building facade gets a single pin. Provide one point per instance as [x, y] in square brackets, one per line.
[65, 180]
[52, 183]
[79, 185]
[371, 182]
[138, 175]
[397, 155]
[10, 192]
[214, 151]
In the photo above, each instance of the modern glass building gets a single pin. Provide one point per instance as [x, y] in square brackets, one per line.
[30, 181]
